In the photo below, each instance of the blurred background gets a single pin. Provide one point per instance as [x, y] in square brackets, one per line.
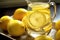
[14, 3]
[7, 7]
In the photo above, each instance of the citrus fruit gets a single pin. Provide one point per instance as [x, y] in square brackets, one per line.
[15, 28]
[48, 23]
[48, 27]
[57, 25]
[36, 19]
[43, 37]
[24, 20]
[4, 21]
[38, 6]
[47, 18]
[19, 13]
[46, 12]
[57, 37]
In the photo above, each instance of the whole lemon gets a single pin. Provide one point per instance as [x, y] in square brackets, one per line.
[43, 37]
[15, 28]
[57, 35]
[19, 13]
[4, 21]
[57, 25]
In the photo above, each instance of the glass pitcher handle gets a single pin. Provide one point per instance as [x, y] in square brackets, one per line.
[54, 14]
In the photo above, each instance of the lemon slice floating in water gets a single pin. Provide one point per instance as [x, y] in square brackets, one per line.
[36, 20]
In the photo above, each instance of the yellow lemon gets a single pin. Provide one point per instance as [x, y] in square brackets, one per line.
[15, 28]
[43, 37]
[4, 21]
[57, 37]
[57, 25]
[19, 13]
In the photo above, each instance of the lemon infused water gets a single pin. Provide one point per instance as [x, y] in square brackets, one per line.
[38, 20]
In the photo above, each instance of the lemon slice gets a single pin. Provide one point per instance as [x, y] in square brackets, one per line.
[48, 27]
[47, 18]
[24, 20]
[46, 12]
[38, 5]
[36, 20]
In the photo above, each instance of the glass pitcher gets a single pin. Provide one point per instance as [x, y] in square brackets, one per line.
[39, 19]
